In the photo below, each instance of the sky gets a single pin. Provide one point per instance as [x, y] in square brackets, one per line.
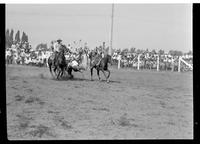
[152, 26]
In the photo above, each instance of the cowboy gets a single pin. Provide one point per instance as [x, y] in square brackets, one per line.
[102, 53]
[57, 47]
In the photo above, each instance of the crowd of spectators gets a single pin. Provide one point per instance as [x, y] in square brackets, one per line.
[23, 53]
[149, 60]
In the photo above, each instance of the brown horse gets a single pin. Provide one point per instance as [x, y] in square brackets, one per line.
[100, 64]
[58, 62]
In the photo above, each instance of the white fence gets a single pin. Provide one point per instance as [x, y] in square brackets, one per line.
[180, 59]
[183, 61]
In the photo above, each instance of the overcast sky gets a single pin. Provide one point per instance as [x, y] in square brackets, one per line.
[152, 26]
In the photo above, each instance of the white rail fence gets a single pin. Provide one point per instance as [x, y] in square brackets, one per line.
[179, 64]
[180, 59]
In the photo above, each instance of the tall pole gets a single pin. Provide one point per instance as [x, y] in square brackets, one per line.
[111, 37]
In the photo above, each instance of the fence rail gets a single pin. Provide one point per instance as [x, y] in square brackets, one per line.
[173, 62]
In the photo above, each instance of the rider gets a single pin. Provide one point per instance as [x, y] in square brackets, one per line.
[57, 47]
[102, 53]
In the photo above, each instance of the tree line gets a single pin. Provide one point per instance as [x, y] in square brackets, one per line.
[10, 39]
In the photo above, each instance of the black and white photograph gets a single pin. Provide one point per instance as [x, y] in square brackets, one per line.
[99, 71]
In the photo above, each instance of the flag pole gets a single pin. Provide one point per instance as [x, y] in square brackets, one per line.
[111, 37]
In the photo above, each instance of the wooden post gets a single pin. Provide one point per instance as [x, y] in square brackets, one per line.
[179, 64]
[172, 64]
[118, 63]
[158, 63]
[139, 62]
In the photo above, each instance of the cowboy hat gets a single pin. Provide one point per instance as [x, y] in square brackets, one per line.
[59, 40]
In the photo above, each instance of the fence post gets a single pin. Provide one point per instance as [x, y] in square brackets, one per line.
[118, 63]
[158, 62]
[139, 62]
[172, 64]
[179, 64]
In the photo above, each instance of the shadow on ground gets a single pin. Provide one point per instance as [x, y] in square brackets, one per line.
[82, 79]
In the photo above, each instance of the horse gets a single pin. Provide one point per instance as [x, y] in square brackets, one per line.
[100, 64]
[58, 62]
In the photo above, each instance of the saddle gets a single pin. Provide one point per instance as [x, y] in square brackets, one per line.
[97, 61]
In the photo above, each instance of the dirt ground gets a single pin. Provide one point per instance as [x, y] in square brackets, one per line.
[134, 105]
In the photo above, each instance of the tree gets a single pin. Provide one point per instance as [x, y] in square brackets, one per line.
[7, 32]
[11, 36]
[138, 51]
[171, 52]
[17, 36]
[153, 51]
[178, 53]
[133, 49]
[175, 53]
[23, 39]
[124, 51]
[190, 52]
[161, 52]
[26, 37]
[41, 46]
[118, 50]
[8, 44]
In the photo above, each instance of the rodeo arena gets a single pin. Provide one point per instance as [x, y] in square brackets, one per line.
[70, 90]
[146, 96]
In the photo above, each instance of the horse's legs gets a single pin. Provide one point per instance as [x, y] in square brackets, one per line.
[59, 69]
[58, 74]
[70, 72]
[55, 68]
[98, 74]
[63, 71]
[108, 73]
[107, 77]
[91, 71]
[50, 70]
[65, 74]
